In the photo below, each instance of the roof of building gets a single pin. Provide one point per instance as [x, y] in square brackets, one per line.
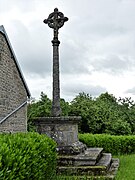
[2, 30]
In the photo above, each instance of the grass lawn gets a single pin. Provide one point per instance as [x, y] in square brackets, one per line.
[127, 167]
[126, 170]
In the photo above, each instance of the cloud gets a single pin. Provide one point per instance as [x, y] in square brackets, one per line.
[98, 38]
[24, 6]
[112, 63]
[73, 58]
[106, 29]
[131, 91]
[73, 89]
[31, 49]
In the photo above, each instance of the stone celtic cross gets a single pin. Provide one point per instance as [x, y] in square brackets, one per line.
[55, 21]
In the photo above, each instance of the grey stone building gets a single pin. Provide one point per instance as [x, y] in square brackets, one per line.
[14, 92]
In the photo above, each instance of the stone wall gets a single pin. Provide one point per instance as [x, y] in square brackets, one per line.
[12, 91]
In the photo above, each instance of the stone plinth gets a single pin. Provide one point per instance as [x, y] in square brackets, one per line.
[74, 158]
[64, 130]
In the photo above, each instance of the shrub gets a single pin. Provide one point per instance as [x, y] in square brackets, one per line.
[27, 156]
[110, 143]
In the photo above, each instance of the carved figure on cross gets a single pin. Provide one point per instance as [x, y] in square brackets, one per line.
[56, 20]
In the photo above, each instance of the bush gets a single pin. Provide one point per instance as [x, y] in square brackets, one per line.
[119, 127]
[110, 143]
[27, 156]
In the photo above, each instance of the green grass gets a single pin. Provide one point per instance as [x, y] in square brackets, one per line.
[126, 170]
[127, 167]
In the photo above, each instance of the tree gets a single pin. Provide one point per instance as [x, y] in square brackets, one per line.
[65, 107]
[111, 115]
[82, 105]
[41, 108]
[127, 106]
[100, 115]
[104, 114]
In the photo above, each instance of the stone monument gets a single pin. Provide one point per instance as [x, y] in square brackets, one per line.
[74, 158]
[56, 20]
[64, 130]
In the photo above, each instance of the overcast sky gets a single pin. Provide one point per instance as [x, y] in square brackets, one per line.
[97, 49]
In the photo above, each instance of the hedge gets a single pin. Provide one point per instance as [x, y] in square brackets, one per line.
[114, 144]
[27, 156]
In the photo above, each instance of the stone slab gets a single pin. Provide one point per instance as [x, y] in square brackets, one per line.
[88, 158]
[91, 172]
[105, 160]
[82, 170]
[57, 120]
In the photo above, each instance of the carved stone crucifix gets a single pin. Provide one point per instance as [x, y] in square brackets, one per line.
[56, 20]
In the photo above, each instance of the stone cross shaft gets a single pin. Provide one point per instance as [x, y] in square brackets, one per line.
[55, 21]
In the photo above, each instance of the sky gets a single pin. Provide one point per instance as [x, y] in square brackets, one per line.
[97, 49]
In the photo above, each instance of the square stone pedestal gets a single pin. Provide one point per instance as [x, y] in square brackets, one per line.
[64, 130]
[74, 158]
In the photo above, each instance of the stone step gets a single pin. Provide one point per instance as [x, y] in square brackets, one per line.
[105, 160]
[81, 170]
[91, 172]
[89, 158]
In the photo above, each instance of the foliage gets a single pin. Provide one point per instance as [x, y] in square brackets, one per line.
[65, 108]
[111, 116]
[27, 156]
[83, 105]
[42, 108]
[110, 143]
[103, 114]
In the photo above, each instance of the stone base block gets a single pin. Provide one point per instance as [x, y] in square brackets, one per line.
[64, 130]
[73, 149]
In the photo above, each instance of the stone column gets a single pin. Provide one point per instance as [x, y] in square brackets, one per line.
[56, 110]
[56, 20]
